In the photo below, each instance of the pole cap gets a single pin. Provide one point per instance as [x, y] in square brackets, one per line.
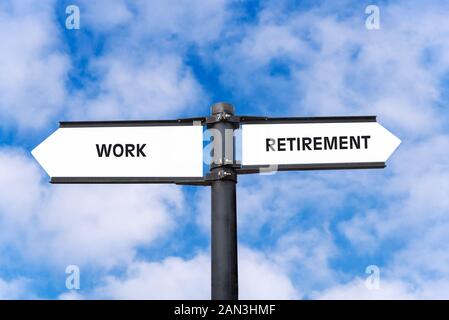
[222, 107]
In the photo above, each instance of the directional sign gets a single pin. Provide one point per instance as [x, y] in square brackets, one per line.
[140, 151]
[171, 151]
[316, 143]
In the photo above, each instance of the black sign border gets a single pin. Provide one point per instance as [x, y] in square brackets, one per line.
[281, 120]
[132, 123]
[127, 180]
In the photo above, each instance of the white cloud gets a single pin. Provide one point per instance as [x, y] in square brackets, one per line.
[15, 289]
[276, 199]
[33, 69]
[389, 289]
[414, 217]
[283, 42]
[176, 278]
[306, 256]
[99, 225]
[189, 21]
[358, 290]
[185, 21]
[172, 278]
[154, 86]
[334, 66]
[104, 15]
[19, 186]
[261, 277]
[142, 71]
[414, 193]
[71, 295]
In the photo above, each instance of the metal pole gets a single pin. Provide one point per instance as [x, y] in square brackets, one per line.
[224, 217]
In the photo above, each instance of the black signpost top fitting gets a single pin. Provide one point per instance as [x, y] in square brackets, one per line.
[222, 107]
[223, 112]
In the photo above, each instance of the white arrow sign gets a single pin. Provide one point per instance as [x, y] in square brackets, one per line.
[314, 145]
[125, 151]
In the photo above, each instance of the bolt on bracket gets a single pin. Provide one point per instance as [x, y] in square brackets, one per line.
[222, 174]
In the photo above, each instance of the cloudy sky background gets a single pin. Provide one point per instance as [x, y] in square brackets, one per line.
[302, 235]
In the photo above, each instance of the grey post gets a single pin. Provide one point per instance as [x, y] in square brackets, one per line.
[224, 215]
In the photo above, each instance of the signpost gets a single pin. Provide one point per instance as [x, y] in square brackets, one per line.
[171, 151]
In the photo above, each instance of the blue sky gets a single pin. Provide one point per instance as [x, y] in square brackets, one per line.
[308, 235]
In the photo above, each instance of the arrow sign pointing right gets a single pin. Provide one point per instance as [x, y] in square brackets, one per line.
[316, 143]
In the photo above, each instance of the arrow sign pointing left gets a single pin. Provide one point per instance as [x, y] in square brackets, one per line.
[122, 152]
